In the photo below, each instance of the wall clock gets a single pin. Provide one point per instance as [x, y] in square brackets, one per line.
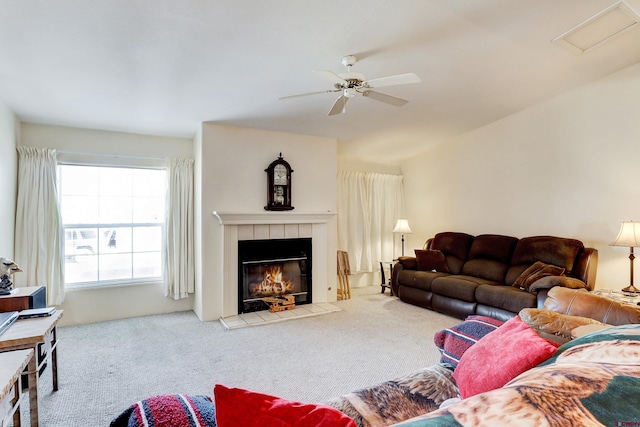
[279, 185]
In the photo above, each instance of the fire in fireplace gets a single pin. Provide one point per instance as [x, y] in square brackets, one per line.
[272, 268]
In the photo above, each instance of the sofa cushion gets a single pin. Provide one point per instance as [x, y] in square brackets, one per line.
[459, 287]
[453, 342]
[489, 257]
[486, 268]
[505, 297]
[431, 260]
[493, 246]
[499, 357]
[243, 408]
[455, 247]
[418, 279]
[537, 271]
[548, 249]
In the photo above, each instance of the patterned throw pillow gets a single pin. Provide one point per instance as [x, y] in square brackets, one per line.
[453, 342]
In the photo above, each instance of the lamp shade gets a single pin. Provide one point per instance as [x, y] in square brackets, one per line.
[628, 236]
[402, 226]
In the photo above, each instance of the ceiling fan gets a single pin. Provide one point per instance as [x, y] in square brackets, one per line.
[352, 83]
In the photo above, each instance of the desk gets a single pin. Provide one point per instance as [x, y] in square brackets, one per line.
[29, 334]
[12, 364]
[386, 283]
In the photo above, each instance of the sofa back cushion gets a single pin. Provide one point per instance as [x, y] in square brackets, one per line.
[455, 247]
[489, 257]
[558, 251]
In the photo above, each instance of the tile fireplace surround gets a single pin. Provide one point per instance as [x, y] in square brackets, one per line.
[273, 225]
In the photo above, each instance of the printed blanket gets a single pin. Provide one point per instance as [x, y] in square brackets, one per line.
[591, 381]
[400, 399]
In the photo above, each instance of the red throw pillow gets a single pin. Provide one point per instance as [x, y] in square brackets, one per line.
[236, 407]
[431, 259]
[499, 357]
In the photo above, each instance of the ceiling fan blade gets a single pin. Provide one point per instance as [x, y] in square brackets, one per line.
[338, 106]
[330, 75]
[310, 93]
[400, 79]
[383, 97]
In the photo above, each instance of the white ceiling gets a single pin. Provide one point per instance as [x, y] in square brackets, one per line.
[162, 67]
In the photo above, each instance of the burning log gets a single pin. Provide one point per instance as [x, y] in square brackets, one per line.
[280, 303]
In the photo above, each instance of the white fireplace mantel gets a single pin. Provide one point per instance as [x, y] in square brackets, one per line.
[273, 225]
[288, 217]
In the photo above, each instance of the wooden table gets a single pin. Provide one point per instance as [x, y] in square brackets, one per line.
[12, 364]
[29, 334]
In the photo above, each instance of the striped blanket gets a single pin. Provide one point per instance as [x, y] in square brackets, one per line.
[169, 410]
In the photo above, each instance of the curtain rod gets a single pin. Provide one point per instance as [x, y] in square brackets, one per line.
[81, 153]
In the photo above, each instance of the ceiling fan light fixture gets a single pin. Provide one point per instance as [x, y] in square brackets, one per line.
[350, 84]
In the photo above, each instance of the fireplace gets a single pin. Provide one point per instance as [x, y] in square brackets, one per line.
[273, 268]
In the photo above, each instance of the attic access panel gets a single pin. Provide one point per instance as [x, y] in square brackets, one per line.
[601, 28]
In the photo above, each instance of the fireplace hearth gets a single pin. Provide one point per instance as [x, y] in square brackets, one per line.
[273, 268]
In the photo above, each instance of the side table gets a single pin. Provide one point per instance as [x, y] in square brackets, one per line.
[386, 283]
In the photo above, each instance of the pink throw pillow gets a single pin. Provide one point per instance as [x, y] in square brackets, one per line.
[236, 407]
[499, 357]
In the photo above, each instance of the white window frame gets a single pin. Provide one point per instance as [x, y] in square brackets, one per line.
[91, 160]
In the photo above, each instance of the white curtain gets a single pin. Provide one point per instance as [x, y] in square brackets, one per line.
[38, 247]
[369, 204]
[179, 265]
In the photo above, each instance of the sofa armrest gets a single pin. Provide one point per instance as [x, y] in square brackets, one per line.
[408, 262]
[579, 302]
[553, 323]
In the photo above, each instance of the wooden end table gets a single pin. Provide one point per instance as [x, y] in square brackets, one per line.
[29, 334]
[12, 364]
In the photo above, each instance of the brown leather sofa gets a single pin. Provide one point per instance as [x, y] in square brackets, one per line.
[481, 270]
[567, 309]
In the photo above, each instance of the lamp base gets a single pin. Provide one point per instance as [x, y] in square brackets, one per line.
[631, 290]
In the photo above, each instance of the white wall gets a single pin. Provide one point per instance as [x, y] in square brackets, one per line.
[9, 134]
[566, 167]
[99, 304]
[233, 180]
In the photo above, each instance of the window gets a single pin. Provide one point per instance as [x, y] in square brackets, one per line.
[113, 220]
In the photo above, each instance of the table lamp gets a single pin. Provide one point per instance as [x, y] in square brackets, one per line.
[402, 227]
[629, 236]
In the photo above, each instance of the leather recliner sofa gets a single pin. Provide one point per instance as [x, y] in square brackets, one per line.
[481, 270]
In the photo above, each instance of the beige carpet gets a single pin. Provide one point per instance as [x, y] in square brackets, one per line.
[105, 367]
